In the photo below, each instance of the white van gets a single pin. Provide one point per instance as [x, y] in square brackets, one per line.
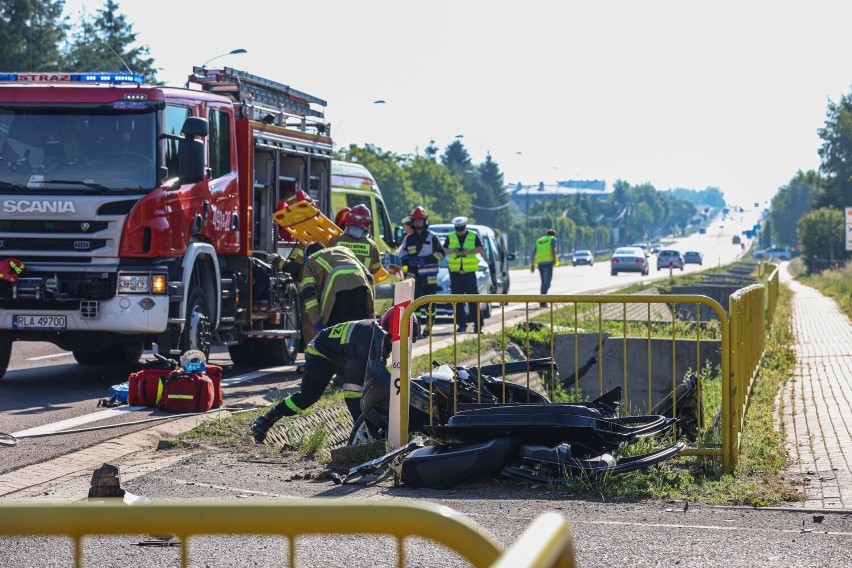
[496, 253]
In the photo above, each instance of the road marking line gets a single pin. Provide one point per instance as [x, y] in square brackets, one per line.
[40, 357]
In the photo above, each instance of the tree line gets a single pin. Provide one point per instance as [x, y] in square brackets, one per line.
[36, 36]
[808, 212]
[450, 185]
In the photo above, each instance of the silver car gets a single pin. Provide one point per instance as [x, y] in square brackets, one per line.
[629, 259]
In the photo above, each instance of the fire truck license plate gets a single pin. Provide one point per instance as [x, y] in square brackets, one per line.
[38, 322]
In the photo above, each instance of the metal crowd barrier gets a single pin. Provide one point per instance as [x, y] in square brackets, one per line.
[546, 543]
[741, 345]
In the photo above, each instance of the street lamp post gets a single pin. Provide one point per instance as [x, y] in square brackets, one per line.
[237, 51]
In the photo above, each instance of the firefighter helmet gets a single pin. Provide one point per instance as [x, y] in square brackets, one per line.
[360, 216]
[419, 213]
[11, 269]
[341, 217]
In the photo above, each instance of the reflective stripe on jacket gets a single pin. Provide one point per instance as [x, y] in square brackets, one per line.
[326, 273]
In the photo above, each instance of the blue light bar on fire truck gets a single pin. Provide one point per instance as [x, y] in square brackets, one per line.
[53, 78]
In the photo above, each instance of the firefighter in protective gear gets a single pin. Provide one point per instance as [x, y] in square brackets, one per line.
[356, 237]
[335, 287]
[544, 255]
[353, 350]
[421, 252]
[463, 248]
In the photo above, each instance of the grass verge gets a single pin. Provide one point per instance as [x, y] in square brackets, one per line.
[758, 481]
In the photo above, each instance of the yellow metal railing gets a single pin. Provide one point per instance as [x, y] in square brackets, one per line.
[748, 339]
[739, 359]
[772, 284]
[546, 543]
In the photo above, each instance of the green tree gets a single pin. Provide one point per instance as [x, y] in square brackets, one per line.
[106, 43]
[456, 159]
[789, 204]
[491, 204]
[31, 33]
[392, 178]
[441, 192]
[836, 155]
[822, 234]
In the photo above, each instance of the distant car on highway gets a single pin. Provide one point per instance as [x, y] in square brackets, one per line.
[644, 247]
[693, 257]
[629, 259]
[669, 258]
[583, 257]
[656, 247]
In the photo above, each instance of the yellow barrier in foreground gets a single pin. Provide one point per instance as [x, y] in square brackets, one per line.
[546, 543]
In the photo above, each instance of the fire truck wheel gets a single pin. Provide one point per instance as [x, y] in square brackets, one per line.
[89, 357]
[242, 355]
[5, 354]
[122, 354]
[196, 332]
[277, 352]
[127, 353]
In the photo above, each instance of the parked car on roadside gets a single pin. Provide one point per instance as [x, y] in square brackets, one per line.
[693, 257]
[773, 253]
[669, 258]
[582, 257]
[629, 259]
[780, 253]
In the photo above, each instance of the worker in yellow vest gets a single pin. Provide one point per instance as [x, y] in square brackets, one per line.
[545, 256]
[463, 248]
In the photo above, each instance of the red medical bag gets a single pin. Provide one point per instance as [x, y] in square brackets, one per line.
[187, 392]
[145, 386]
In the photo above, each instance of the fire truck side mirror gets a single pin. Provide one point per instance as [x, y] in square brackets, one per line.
[191, 150]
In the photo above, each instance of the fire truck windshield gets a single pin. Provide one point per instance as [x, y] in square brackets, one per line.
[77, 150]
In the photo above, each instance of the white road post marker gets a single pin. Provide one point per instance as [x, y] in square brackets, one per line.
[403, 293]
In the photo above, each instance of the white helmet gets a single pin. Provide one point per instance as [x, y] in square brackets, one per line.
[459, 223]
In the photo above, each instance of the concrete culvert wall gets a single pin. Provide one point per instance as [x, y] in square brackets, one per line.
[688, 355]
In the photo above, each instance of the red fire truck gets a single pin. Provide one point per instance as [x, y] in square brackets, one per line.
[139, 216]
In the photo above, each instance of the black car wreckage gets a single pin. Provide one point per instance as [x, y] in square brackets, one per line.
[475, 423]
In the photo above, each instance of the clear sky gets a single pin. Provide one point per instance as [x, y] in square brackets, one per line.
[676, 93]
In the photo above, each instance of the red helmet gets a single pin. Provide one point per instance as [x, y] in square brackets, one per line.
[10, 269]
[360, 216]
[340, 218]
[386, 320]
[419, 213]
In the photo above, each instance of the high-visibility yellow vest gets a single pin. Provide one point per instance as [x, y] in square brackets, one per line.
[543, 251]
[463, 263]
